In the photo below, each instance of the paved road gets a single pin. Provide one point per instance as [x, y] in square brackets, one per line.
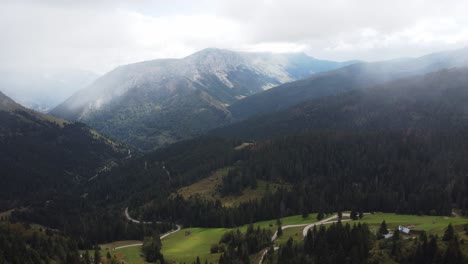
[324, 221]
[328, 220]
[178, 228]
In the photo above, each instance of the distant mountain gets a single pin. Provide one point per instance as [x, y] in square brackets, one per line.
[434, 101]
[153, 103]
[43, 91]
[356, 76]
[41, 155]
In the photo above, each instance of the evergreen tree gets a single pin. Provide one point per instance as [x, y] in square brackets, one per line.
[151, 249]
[320, 216]
[383, 230]
[97, 255]
[396, 235]
[449, 233]
[354, 215]
[360, 214]
[279, 232]
[86, 257]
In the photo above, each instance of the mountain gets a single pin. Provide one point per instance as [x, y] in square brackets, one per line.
[356, 76]
[432, 101]
[41, 155]
[153, 103]
[396, 147]
[42, 91]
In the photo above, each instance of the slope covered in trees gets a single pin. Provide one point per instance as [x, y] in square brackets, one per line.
[356, 76]
[21, 244]
[41, 155]
[155, 103]
[433, 101]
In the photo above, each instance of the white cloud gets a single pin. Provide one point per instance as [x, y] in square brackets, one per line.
[99, 35]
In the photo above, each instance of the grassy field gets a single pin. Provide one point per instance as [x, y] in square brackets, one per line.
[112, 245]
[181, 248]
[208, 188]
[430, 224]
[185, 248]
[294, 232]
[131, 255]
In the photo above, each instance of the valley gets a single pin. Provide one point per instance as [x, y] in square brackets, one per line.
[233, 132]
[191, 243]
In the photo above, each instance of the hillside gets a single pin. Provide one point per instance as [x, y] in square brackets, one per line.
[435, 101]
[42, 155]
[154, 103]
[361, 147]
[356, 76]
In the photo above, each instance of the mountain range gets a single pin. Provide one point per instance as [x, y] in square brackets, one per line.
[356, 76]
[435, 101]
[154, 103]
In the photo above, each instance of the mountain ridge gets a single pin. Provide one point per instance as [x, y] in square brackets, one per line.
[434, 100]
[355, 76]
[43, 155]
[154, 103]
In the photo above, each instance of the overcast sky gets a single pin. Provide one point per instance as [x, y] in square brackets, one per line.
[100, 35]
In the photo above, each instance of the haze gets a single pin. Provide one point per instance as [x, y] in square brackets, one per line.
[100, 35]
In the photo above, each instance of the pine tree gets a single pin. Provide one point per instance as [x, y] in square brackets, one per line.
[87, 257]
[449, 233]
[360, 214]
[97, 255]
[320, 216]
[279, 233]
[396, 235]
[382, 230]
[354, 215]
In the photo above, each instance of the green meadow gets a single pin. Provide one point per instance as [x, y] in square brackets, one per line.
[185, 245]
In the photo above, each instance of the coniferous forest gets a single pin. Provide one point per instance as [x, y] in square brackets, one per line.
[321, 132]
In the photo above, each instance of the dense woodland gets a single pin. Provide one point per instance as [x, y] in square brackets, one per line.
[40, 158]
[409, 157]
[237, 246]
[25, 245]
[415, 172]
[343, 243]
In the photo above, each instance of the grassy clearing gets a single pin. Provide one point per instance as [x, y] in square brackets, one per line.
[131, 255]
[110, 246]
[294, 232]
[182, 248]
[290, 220]
[431, 224]
[208, 189]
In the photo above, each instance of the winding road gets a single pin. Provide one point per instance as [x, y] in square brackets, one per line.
[328, 220]
[129, 218]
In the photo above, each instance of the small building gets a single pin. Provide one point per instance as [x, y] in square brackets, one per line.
[404, 230]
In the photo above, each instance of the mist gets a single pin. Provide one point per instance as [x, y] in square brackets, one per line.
[41, 39]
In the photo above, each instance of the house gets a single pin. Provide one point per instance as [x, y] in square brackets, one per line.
[404, 230]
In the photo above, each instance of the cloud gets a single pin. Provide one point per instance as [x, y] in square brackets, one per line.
[100, 35]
